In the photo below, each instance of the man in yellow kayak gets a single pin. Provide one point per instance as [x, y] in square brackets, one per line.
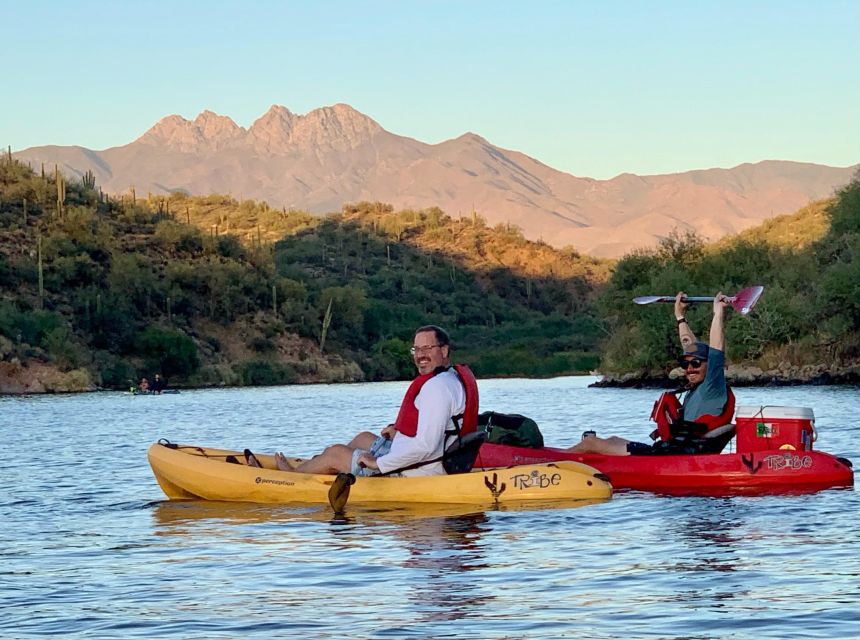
[440, 404]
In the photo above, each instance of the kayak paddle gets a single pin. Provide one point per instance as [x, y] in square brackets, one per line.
[742, 302]
[338, 493]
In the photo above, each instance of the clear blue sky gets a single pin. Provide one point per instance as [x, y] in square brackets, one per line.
[592, 87]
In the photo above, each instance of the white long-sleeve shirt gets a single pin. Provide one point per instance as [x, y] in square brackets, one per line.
[441, 397]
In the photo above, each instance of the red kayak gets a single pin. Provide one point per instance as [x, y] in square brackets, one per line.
[774, 456]
[773, 471]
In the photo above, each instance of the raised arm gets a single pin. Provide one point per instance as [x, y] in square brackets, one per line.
[685, 333]
[718, 337]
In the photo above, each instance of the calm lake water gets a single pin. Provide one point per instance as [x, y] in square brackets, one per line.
[90, 547]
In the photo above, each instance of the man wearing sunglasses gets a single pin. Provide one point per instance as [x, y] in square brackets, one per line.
[440, 404]
[707, 401]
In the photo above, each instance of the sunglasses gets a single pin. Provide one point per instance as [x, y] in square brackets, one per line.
[695, 363]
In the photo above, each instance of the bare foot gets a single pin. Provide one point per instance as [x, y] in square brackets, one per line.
[282, 463]
[251, 459]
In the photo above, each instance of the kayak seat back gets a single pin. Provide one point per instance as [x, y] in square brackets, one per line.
[460, 455]
[716, 440]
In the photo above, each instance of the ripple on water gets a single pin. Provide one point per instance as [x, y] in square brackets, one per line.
[91, 549]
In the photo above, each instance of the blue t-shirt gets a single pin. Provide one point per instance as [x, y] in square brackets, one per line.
[710, 397]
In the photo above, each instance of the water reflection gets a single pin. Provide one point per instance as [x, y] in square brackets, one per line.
[444, 550]
[710, 534]
[444, 547]
[186, 513]
[180, 516]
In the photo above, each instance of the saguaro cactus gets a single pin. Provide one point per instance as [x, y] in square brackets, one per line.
[39, 268]
[61, 191]
[325, 325]
[89, 180]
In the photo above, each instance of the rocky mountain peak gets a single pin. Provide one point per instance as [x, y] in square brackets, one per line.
[272, 131]
[336, 127]
[207, 131]
[173, 131]
[216, 127]
[339, 126]
[276, 131]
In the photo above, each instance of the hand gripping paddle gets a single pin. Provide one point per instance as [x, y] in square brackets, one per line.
[742, 302]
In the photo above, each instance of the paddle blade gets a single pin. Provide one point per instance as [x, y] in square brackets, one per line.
[338, 493]
[650, 299]
[742, 302]
[745, 300]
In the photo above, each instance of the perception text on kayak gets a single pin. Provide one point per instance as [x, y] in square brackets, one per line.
[260, 480]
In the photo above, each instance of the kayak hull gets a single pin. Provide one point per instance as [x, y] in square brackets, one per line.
[773, 471]
[192, 473]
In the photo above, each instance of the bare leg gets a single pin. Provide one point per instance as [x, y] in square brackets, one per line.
[335, 459]
[363, 440]
[612, 446]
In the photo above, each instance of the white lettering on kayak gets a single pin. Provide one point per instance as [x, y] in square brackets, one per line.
[788, 461]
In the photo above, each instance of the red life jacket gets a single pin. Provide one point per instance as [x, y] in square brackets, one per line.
[668, 411]
[466, 422]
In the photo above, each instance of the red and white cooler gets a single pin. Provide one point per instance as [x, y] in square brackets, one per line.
[765, 428]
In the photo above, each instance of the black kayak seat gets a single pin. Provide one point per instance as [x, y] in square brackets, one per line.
[717, 439]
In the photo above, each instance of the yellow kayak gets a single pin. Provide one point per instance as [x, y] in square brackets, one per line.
[187, 472]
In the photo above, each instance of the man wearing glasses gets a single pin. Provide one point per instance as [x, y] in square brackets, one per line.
[708, 402]
[439, 404]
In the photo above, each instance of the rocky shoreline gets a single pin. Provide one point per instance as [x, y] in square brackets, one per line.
[35, 377]
[744, 376]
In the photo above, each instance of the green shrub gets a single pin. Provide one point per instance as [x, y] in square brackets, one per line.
[62, 345]
[30, 327]
[180, 237]
[261, 345]
[230, 247]
[263, 372]
[169, 352]
[114, 372]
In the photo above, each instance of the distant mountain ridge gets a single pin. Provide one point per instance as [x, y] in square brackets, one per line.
[277, 132]
[333, 155]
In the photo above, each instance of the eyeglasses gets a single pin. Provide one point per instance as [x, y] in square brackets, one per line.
[695, 363]
[425, 349]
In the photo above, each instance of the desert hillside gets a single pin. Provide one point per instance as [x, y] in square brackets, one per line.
[330, 156]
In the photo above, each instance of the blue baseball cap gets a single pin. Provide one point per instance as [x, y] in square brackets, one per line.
[701, 351]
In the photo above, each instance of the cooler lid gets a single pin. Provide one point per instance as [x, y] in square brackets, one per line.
[774, 412]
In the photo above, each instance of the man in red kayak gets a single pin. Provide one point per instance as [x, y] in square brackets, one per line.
[708, 402]
[441, 402]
